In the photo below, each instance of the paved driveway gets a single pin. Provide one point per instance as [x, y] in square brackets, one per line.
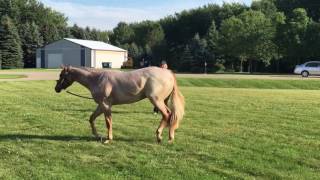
[32, 75]
[53, 75]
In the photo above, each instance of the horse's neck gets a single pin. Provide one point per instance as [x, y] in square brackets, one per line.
[82, 77]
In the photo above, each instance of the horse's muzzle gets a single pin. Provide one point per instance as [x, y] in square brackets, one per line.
[58, 90]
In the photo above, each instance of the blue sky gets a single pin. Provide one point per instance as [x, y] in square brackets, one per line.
[106, 14]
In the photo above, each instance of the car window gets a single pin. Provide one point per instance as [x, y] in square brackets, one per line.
[312, 65]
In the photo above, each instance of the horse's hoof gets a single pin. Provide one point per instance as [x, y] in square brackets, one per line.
[159, 140]
[108, 141]
[170, 141]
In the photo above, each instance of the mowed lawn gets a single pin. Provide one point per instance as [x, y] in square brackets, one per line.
[11, 76]
[259, 131]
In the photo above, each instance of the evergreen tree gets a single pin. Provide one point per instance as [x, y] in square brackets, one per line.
[200, 53]
[186, 60]
[31, 40]
[212, 38]
[10, 45]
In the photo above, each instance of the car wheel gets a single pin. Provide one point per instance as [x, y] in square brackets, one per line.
[305, 73]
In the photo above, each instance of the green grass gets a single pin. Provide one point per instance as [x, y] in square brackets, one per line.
[310, 84]
[11, 76]
[226, 133]
[29, 70]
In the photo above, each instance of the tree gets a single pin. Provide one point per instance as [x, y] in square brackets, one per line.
[53, 26]
[10, 45]
[122, 34]
[311, 6]
[31, 40]
[267, 7]
[249, 38]
[198, 48]
[294, 35]
[212, 38]
[78, 32]
[186, 60]
[312, 40]
[9, 8]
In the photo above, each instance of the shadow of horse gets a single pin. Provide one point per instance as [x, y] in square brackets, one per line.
[17, 137]
[114, 111]
[29, 137]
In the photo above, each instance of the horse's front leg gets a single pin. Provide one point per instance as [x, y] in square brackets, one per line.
[93, 117]
[108, 119]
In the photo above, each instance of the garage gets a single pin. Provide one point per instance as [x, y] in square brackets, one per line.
[80, 53]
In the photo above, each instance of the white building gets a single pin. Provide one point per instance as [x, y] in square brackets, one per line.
[78, 53]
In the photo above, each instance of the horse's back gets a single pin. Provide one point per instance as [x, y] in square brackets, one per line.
[136, 85]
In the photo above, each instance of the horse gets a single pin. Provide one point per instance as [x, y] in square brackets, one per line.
[109, 88]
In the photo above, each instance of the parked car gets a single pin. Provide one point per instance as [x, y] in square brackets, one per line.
[308, 68]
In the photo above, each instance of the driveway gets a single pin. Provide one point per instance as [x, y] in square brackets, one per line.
[32, 75]
[53, 75]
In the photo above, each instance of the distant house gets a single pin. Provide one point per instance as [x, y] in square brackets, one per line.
[77, 52]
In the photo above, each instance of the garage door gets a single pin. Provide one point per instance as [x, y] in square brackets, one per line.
[54, 60]
[38, 63]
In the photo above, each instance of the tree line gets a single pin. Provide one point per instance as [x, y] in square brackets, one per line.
[26, 25]
[268, 36]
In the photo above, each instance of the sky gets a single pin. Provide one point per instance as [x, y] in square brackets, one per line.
[106, 14]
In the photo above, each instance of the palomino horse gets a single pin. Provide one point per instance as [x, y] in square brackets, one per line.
[113, 87]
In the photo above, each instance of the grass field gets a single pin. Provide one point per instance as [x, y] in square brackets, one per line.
[232, 129]
[11, 76]
[29, 70]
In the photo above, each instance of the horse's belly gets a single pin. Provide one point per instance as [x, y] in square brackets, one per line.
[126, 99]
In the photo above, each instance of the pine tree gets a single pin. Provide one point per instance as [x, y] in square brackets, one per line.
[186, 60]
[31, 39]
[10, 45]
[200, 53]
[212, 38]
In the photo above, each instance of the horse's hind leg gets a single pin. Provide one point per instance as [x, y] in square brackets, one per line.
[93, 117]
[108, 119]
[165, 116]
[106, 108]
[172, 129]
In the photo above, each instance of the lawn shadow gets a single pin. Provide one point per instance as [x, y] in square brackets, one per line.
[19, 137]
[29, 137]
[113, 111]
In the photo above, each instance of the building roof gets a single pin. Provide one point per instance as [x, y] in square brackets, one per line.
[96, 45]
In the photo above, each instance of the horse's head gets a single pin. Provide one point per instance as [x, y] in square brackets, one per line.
[65, 79]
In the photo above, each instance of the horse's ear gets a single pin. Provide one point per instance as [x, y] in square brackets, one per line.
[62, 66]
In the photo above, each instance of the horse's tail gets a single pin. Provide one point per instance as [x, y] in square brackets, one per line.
[176, 105]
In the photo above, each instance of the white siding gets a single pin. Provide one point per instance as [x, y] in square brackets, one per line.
[115, 57]
[69, 53]
[93, 58]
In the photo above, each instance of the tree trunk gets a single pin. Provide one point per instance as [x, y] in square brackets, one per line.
[278, 65]
[255, 66]
[249, 65]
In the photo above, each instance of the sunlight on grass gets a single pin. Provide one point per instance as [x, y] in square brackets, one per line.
[226, 133]
[11, 76]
